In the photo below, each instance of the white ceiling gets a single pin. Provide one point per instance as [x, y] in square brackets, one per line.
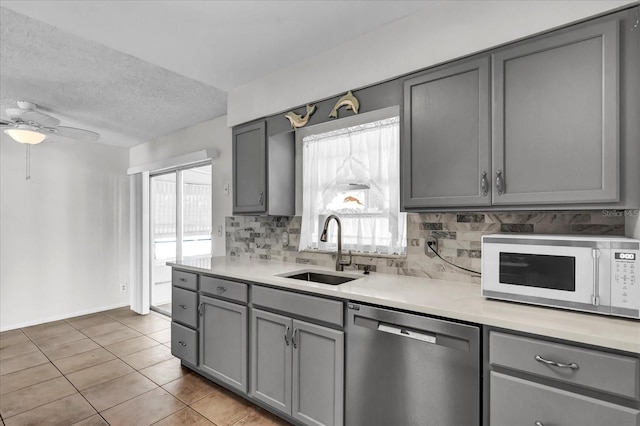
[137, 70]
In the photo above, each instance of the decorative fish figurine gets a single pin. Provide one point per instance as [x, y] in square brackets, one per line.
[297, 120]
[352, 199]
[348, 100]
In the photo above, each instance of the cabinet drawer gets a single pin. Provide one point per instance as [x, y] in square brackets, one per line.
[184, 306]
[184, 343]
[186, 280]
[615, 374]
[329, 311]
[515, 401]
[223, 288]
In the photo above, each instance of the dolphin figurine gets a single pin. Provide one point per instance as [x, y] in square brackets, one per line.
[297, 120]
[347, 100]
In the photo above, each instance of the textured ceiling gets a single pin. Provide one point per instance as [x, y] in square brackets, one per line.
[137, 70]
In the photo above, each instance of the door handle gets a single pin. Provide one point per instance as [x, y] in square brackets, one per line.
[182, 343]
[484, 184]
[423, 337]
[293, 338]
[571, 365]
[261, 198]
[595, 298]
[200, 306]
[500, 182]
[286, 335]
[221, 289]
[183, 306]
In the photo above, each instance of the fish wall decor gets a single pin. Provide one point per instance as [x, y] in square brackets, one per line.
[297, 120]
[349, 101]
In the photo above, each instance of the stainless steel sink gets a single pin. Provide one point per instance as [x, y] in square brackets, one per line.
[320, 277]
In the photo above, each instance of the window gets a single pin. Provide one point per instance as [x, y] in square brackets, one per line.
[354, 173]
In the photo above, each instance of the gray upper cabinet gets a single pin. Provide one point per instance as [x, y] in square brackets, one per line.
[555, 118]
[249, 168]
[223, 341]
[263, 171]
[445, 147]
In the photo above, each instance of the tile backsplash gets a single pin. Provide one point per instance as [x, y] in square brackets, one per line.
[458, 234]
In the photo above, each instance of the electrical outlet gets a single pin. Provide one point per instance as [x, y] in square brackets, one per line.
[430, 246]
[219, 230]
[226, 189]
[123, 288]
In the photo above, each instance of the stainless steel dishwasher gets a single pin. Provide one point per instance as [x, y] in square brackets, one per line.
[405, 369]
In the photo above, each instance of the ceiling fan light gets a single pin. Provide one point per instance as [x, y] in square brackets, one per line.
[26, 136]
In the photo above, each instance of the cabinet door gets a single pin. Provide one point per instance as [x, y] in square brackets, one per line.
[555, 123]
[514, 401]
[223, 341]
[249, 169]
[318, 374]
[271, 359]
[445, 144]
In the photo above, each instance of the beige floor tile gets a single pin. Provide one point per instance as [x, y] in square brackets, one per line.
[260, 417]
[165, 371]
[142, 410]
[87, 321]
[114, 392]
[148, 357]
[186, 416]
[17, 349]
[131, 346]
[47, 330]
[58, 340]
[162, 336]
[116, 336]
[107, 327]
[191, 387]
[64, 411]
[28, 377]
[10, 334]
[223, 408]
[70, 349]
[101, 373]
[121, 313]
[83, 360]
[22, 400]
[13, 340]
[95, 420]
[147, 324]
[21, 361]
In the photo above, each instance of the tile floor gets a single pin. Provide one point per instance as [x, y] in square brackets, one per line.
[109, 368]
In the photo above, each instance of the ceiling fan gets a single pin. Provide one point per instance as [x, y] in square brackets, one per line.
[29, 126]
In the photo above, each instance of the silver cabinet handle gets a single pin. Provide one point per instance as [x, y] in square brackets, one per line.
[261, 198]
[184, 280]
[538, 424]
[221, 289]
[484, 184]
[183, 306]
[182, 343]
[286, 335]
[293, 338]
[500, 182]
[571, 365]
[200, 306]
[595, 298]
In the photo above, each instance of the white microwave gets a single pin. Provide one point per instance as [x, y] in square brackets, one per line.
[597, 274]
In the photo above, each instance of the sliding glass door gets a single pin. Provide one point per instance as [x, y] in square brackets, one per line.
[180, 225]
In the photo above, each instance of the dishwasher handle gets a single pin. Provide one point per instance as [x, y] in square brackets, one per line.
[403, 332]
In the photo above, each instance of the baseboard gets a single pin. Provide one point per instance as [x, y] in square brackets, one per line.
[61, 317]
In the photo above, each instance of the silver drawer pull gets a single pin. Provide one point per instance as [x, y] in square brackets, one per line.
[182, 343]
[538, 424]
[183, 306]
[571, 365]
[221, 289]
[286, 335]
[184, 280]
[293, 338]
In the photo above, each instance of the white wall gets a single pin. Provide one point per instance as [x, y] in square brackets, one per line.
[206, 135]
[64, 234]
[442, 32]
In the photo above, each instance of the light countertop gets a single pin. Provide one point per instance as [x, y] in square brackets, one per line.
[450, 299]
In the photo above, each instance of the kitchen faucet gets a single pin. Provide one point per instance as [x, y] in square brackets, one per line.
[339, 263]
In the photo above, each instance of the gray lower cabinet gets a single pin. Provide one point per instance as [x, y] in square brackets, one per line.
[223, 341]
[298, 368]
[537, 382]
[184, 316]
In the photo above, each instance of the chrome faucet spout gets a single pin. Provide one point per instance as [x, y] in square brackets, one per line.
[340, 264]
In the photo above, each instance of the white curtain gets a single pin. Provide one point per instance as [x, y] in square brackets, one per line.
[354, 173]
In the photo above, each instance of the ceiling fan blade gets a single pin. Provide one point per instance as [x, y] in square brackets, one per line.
[5, 123]
[40, 118]
[73, 133]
